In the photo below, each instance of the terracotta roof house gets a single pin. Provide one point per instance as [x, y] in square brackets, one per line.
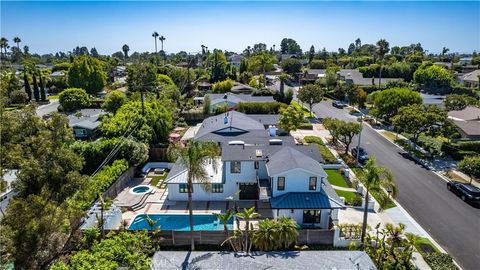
[467, 122]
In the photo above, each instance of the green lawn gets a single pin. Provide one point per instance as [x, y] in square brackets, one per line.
[306, 113]
[424, 245]
[326, 153]
[390, 203]
[52, 97]
[156, 179]
[348, 195]
[336, 179]
[390, 135]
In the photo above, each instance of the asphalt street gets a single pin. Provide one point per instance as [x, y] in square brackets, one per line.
[454, 224]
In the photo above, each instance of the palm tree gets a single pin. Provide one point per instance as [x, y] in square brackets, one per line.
[162, 39]
[382, 48]
[247, 215]
[265, 60]
[283, 78]
[195, 157]
[125, 50]
[17, 40]
[375, 179]
[155, 35]
[3, 46]
[224, 218]
[266, 237]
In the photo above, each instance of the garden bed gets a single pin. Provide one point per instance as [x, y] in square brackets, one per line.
[375, 194]
[326, 153]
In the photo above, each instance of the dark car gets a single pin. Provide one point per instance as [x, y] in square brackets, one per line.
[338, 104]
[363, 157]
[465, 191]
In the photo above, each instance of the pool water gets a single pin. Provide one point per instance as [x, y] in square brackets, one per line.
[141, 189]
[179, 223]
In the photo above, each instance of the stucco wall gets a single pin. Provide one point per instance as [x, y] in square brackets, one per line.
[297, 215]
[296, 180]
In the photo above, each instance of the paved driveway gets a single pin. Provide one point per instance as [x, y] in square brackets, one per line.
[455, 225]
[48, 108]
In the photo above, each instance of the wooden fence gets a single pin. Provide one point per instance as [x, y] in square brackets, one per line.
[182, 238]
[119, 184]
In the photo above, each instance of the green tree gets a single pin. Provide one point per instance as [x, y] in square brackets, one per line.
[289, 46]
[87, 73]
[164, 80]
[151, 128]
[125, 49]
[471, 167]
[224, 218]
[375, 179]
[283, 77]
[455, 102]
[126, 249]
[310, 94]
[36, 92]
[114, 100]
[382, 48]
[223, 86]
[387, 102]
[142, 77]
[43, 95]
[346, 132]
[311, 54]
[72, 99]
[261, 63]
[195, 158]
[434, 79]
[291, 65]
[290, 118]
[416, 119]
[206, 104]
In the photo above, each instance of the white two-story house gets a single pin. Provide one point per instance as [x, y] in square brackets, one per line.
[256, 164]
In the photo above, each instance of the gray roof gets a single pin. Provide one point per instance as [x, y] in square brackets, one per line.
[257, 137]
[236, 120]
[289, 158]
[472, 76]
[275, 260]
[470, 128]
[266, 119]
[305, 200]
[240, 87]
[470, 113]
[237, 98]
[249, 152]
[355, 75]
[85, 118]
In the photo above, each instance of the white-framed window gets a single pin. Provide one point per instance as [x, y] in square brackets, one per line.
[312, 183]
[281, 183]
[235, 167]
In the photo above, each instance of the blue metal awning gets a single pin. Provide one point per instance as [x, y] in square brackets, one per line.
[304, 200]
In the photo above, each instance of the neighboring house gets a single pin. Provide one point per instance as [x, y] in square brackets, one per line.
[242, 88]
[5, 196]
[256, 164]
[465, 61]
[85, 123]
[471, 79]
[235, 60]
[231, 100]
[58, 74]
[467, 122]
[350, 76]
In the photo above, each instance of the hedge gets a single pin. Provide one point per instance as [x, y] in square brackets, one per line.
[306, 126]
[260, 107]
[326, 154]
[461, 149]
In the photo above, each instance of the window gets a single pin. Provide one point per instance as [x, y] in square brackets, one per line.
[217, 188]
[311, 216]
[257, 165]
[281, 183]
[183, 188]
[312, 184]
[235, 167]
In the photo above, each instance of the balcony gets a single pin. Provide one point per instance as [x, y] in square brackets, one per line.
[264, 192]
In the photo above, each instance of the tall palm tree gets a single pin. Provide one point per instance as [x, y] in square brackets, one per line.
[155, 35]
[283, 78]
[376, 179]
[195, 157]
[162, 39]
[125, 50]
[264, 60]
[248, 214]
[383, 47]
[17, 40]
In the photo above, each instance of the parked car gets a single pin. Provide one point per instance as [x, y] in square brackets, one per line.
[339, 104]
[465, 191]
[363, 157]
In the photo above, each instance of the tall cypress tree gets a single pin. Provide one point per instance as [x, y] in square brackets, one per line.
[42, 89]
[36, 93]
[28, 90]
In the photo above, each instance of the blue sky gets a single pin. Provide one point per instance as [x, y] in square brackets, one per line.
[60, 26]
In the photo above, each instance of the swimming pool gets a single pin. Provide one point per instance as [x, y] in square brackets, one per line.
[168, 222]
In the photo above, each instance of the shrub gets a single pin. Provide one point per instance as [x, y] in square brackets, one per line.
[72, 99]
[324, 151]
[260, 107]
[18, 97]
[439, 261]
[223, 86]
[318, 64]
[114, 100]
[291, 65]
[163, 79]
[306, 126]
